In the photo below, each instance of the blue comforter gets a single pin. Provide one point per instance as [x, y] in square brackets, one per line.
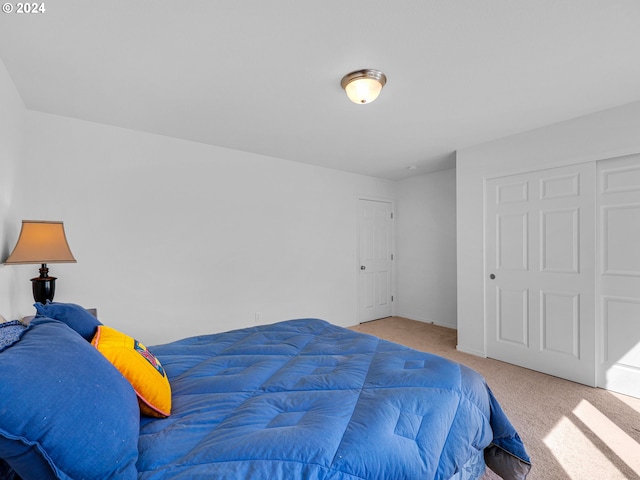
[304, 399]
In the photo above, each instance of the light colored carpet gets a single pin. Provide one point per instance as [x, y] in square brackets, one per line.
[571, 431]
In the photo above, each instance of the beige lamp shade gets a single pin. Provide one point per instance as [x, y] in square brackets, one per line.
[41, 242]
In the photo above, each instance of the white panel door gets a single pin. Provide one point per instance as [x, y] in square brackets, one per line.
[539, 265]
[619, 274]
[375, 260]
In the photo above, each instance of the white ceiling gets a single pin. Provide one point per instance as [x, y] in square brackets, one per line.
[263, 76]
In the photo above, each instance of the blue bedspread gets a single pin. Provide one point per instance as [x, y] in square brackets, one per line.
[304, 399]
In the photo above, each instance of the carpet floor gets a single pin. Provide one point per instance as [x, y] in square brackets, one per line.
[571, 431]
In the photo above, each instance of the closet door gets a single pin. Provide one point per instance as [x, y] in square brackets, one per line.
[539, 271]
[619, 274]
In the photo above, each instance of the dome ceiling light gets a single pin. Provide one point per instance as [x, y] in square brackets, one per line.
[363, 86]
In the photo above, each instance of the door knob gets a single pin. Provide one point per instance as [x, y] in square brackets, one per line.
[492, 276]
[362, 267]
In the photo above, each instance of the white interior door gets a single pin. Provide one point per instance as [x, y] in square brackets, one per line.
[375, 260]
[539, 265]
[619, 274]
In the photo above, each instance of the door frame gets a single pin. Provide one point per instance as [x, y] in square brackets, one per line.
[356, 265]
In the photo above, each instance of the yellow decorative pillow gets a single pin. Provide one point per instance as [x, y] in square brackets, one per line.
[139, 366]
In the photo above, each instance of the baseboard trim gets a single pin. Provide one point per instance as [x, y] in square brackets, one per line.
[427, 320]
[470, 351]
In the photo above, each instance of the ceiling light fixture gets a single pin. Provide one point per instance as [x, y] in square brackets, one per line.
[363, 86]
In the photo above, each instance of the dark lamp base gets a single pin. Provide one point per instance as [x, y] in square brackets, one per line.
[43, 288]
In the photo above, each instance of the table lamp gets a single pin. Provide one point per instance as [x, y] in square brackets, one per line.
[41, 242]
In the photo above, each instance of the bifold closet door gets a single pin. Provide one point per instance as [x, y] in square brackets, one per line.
[540, 271]
[619, 274]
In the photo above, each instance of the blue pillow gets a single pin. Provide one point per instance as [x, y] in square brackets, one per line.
[77, 317]
[65, 411]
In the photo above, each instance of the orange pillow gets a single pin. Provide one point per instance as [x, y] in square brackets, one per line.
[139, 366]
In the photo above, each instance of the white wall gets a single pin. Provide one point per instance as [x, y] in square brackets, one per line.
[12, 126]
[426, 248]
[175, 238]
[602, 135]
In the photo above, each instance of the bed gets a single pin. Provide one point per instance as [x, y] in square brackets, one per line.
[299, 399]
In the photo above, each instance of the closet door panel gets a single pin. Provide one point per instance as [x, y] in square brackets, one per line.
[539, 283]
[618, 276]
